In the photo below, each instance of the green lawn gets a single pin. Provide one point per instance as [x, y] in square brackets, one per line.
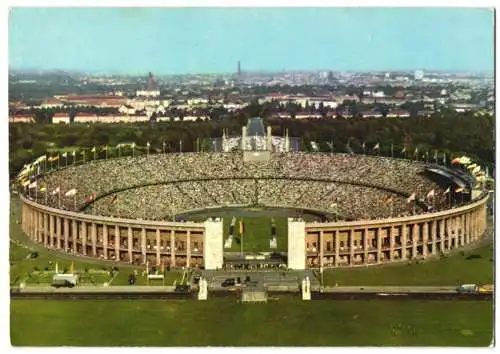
[257, 228]
[452, 270]
[224, 322]
[91, 271]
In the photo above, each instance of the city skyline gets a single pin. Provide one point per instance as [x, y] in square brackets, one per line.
[171, 41]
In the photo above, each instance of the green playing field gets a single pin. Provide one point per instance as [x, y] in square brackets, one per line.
[225, 322]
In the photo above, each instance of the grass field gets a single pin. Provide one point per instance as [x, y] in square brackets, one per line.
[452, 270]
[92, 272]
[257, 228]
[224, 322]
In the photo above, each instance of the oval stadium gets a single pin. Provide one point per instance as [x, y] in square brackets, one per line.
[194, 210]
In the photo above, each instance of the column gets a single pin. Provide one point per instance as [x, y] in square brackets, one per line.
[59, 231]
[425, 236]
[36, 221]
[130, 243]
[172, 248]
[351, 246]
[469, 228]
[379, 245]
[52, 231]
[93, 236]
[46, 238]
[158, 256]
[455, 225]
[337, 248]
[143, 245]
[66, 234]
[188, 250]
[448, 233]
[117, 242]
[441, 234]
[434, 236]
[404, 241]
[365, 246]
[391, 243]
[321, 248]
[414, 235]
[105, 241]
[75, 234]
[84, 238]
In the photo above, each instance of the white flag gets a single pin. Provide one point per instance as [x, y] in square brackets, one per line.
[430, 194]
[32, 185]
[55, 191]
[73, 153]
[412, 197]
[70, 193]
[376, 147]
[65, 155]
[147, 144]
[447, 191]
[314, 146]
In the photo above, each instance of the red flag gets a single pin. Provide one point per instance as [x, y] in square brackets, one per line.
[90, 198]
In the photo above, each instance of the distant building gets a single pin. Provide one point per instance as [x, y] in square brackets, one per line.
[419, 75]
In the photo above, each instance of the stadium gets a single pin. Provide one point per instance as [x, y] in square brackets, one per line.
[185, 210]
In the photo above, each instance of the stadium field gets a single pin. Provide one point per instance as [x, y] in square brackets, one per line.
[224, 322]
[257, 225]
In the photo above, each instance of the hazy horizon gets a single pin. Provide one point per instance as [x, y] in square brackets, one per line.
[190, 41]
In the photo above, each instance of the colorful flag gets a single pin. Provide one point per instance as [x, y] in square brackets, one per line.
[24, 184]
[57, 190]
[242, 228]
[455, 160]
[115, 199]
[471, 166]
[90, 198]
[162, 267]
[431, 194]
[55, 158]
[70, 193]
[458, 190]
[412, 197]
[476, 169]
[43, 189]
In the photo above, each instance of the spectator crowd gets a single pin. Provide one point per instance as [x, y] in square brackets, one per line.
[157, 187]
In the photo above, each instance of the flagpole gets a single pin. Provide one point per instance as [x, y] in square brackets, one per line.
[66, 159]
[106, 148]
[58, 158]
[164, 146]
[94, 153]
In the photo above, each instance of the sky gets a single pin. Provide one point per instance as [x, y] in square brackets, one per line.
[212, 40]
